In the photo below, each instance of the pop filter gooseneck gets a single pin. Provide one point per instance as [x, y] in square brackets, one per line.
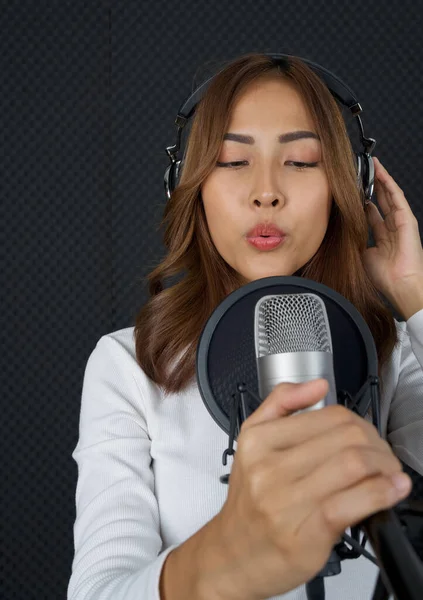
[228, 382]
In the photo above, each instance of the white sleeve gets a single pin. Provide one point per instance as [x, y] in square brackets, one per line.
[118, 548]
[405, 424]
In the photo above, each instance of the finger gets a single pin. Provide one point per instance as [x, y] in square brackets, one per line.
[374, 218]
[390, 196]
[382, 197]
[281, 434]
[350, 506]
[348, 468]
[386, 180]
[344, 468]
[348, 446]
[285, 399]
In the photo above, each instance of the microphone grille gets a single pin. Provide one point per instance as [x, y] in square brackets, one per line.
[291, 323]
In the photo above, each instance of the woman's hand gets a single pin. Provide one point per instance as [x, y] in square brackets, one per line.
[296, 484]
[395, 263]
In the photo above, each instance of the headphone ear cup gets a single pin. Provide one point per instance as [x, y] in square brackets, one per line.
[168, 180]
[365, 174]
[368, 175]
[178, 170]
[358, 166]
[370, 170]
[171, 177]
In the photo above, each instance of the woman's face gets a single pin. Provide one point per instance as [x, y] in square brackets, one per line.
[267, 187]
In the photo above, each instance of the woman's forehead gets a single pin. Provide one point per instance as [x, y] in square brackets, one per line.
[268, 100]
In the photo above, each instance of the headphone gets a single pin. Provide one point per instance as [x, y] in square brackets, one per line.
[364, 161]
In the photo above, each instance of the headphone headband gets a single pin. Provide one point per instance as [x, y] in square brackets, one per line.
[338, 88]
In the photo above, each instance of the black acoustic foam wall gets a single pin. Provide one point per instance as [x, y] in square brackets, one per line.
[88, 95]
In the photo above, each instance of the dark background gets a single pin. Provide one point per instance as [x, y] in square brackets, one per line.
[88, 96]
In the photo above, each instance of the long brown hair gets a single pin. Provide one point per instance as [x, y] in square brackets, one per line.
[169, 325]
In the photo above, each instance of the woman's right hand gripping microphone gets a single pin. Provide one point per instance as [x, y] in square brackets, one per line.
[297, 482]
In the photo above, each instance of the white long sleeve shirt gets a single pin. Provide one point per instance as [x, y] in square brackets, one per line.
[149, 468]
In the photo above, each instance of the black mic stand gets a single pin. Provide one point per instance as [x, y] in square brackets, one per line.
[315, 588]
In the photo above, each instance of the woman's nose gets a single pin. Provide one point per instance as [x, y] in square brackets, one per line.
[266, 186]
[265, 199]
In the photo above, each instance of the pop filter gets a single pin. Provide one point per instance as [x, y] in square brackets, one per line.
[226, 367]
[226, 349]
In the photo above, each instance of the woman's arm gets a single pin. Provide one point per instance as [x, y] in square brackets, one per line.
[118, 546]
[405, 423]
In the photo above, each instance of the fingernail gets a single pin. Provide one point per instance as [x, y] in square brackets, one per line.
[402, 482]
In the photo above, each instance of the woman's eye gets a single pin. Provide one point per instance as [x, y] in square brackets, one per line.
[300, 166]
[231, 164]
[303, 165]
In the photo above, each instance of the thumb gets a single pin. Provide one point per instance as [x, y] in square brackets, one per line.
[286, 398]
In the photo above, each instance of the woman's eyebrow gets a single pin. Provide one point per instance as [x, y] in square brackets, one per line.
[284, 138]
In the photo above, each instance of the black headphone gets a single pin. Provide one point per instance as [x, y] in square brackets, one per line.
[364, 162]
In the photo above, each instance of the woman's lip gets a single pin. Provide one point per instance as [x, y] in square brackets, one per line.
[266, 243]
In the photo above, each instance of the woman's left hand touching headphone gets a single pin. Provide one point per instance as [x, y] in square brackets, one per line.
[395, 263]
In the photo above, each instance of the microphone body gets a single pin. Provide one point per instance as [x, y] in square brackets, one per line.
[296, 367]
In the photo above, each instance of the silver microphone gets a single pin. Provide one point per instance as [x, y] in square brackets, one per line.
[293, 343]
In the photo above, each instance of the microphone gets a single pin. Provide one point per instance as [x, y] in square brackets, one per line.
[294, 329]
[293, 343]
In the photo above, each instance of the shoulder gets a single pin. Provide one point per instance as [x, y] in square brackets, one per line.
[120, 343]
[401, 350]
[409, 346]
[114, 360]
[115, 351]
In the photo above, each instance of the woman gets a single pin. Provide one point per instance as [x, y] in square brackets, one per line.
[153, 520]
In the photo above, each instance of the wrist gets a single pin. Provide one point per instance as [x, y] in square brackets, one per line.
[221, 563]
[207, 566]
[216, 575]
[408, 298]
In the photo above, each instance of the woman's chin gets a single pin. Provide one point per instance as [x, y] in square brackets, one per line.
[262, 275]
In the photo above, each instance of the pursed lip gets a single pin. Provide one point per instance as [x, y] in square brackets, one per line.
[265, 229]
[265, 244]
